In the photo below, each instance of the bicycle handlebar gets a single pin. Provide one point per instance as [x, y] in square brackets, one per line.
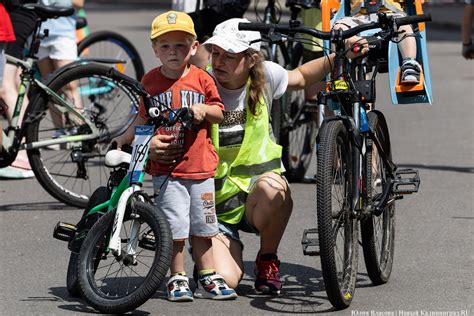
[384, 22]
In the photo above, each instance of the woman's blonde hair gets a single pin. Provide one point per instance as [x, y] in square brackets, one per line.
[257, 80]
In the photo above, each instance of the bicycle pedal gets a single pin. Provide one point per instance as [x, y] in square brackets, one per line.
[64, 231]
[310, 239]
[407, 181]
[147, 241]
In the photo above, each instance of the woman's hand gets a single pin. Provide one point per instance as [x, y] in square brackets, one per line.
[356, 46]
[163, 151]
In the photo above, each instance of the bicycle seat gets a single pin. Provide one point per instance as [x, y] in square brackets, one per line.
[45, 12]
[117, 158]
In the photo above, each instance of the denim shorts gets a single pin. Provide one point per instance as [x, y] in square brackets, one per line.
[232, 230]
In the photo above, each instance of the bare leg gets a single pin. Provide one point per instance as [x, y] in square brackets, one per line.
[407, 46]
[11, 81]
[468, 47]
[269, 208]
[202, 252]
[177, 262]
[229, 263]
[71, 90]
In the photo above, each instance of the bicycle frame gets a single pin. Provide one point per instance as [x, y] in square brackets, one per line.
[15, 131]
[130, 185]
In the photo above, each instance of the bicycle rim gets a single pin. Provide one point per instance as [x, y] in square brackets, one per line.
[336, 226]
[298, 139]
[378, 232]
[113, 284]
[72, 170]
[106, 44]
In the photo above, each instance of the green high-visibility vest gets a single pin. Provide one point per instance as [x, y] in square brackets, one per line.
[257, 154]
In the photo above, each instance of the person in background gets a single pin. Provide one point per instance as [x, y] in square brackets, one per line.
[312, 18]
[206, 14]
[364, 11]
[6, 35]
[58, 49]
[466, 29]
[23, 22]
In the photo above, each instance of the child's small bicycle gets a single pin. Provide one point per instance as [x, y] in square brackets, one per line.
[121, 249]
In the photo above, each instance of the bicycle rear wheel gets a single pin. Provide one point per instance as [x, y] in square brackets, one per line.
[295, 128]
[100, 195]
[71, 171]
[378, 232]
[118, 284]
[298, 133]
[107, 44]
[337, 228]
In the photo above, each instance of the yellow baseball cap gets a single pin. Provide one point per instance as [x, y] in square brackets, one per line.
[172, 21]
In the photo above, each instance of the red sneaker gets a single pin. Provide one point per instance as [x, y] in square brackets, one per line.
[267, 267]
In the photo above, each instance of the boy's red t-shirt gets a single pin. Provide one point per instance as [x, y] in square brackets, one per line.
[6, 28]
[200, 159]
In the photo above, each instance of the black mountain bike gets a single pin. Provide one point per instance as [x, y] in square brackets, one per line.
[357, 181]
[294, 122]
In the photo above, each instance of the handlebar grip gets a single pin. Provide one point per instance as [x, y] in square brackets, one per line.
[128, 81]
[259, 27]
[413, 19]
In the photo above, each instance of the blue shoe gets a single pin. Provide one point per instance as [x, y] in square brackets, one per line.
[216, 288]
[178, 289]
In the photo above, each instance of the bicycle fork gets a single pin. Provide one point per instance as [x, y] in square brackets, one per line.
[115, 243]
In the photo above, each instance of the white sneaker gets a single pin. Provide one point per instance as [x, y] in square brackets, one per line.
[178, 289]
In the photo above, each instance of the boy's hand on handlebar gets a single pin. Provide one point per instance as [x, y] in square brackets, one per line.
[199, 113]
[356, 46]
[163, 151]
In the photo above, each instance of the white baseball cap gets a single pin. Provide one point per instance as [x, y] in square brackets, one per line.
[227, 36]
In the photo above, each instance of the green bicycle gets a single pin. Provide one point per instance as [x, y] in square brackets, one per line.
[121, 248]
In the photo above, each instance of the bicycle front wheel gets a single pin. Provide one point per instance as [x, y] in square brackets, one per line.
[378, 232]
[111, 45]
[70, 171]
[337, 228]
[118, 284]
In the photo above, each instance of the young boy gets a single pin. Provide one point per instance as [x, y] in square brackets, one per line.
[364, 11]
[186, 187]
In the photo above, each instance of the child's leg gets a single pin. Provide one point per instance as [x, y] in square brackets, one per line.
[410, 70]
[177, 261]
[202, 253]
[407, 46]
[173, 201]
[203, 227]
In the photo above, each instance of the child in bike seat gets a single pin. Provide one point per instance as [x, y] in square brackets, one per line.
[185, 188]
[365, 11]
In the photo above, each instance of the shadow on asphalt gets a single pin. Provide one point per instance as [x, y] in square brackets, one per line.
[78, 304]
[439, 167]
[37, 206]
[303, 293]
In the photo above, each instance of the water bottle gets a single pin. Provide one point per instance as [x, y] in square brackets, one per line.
[364, 123]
